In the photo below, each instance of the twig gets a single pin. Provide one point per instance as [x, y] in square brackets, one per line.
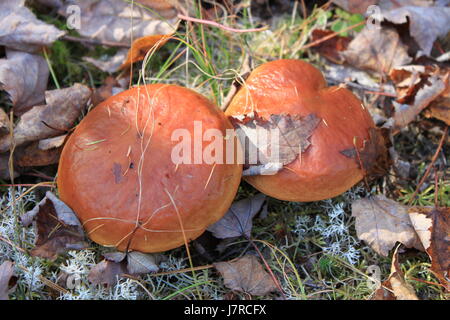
[221, 26]
[436, 188]
[433, 160]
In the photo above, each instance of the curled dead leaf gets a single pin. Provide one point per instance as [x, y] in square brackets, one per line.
[141, 46]
[377, 50]
[21, 30]
[119, 21]
[24, 77]
[431, 89]
[373, 157]
[63, 108]
[425, 24]
[433, 227]
[395, 287]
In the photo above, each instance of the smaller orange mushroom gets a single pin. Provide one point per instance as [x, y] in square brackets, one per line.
[328, 166]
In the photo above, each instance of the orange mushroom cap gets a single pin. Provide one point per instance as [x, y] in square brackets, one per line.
[117, 173]
[296, 88]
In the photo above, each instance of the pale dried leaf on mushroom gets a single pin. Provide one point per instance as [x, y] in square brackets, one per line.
[63, 108]
[433, 227]
[6, 273]
[377, 50]
[21, 30]
[24, 77]
[246, 274]
[271, 144]
[395, 287]
[57, 227]
[238, 219]
[120, 21]
[381, 222]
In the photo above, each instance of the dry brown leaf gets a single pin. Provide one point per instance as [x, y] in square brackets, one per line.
[382, 222]
[21, 30]
[431, 89]
[395, 287]
[377, 50]
[51, 143]
[24, 77]
[33, 156]
[63, 108]
[109, 88]
[331, 48]
[440, 108]
[433, 227]
[119, 21]
[6, 273]
[278, 141]
[141, 263]
[238, 220]
[141, 46]
[339, 74]
[373, 157]
[247, 275]
[425, 24]
[407, 80]
[107, 273]
[57, 227]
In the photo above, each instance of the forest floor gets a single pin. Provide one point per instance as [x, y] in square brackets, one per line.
[312, 249]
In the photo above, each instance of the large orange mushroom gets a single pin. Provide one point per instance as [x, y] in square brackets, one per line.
[118, 174]
[341, 141]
